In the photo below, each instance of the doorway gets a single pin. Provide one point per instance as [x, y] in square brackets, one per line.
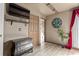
[41, 30]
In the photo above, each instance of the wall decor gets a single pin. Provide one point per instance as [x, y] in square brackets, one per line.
[56, 23]
[64, 36]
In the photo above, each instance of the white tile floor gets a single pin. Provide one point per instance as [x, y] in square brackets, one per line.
[49, 49]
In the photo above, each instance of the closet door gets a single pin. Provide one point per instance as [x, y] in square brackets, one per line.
[34, 29]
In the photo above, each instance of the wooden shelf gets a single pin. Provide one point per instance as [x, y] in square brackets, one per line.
[19, 21]
[16, 21]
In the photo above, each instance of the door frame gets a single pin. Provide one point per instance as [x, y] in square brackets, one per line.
[2, 26]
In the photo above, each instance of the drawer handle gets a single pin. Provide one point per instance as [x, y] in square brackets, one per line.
[0, 35]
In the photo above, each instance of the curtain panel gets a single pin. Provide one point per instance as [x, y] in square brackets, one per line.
[74, 13]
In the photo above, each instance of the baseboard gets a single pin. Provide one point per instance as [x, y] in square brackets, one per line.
[76, 48]
[54, 43]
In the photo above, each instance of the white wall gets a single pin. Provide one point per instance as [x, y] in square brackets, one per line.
[51, 32]
[12, 31]
[1, 27]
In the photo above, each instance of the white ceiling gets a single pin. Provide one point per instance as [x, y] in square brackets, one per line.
[41, 8]
[64, 6]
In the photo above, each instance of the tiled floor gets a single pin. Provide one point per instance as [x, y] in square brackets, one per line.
[49, 49]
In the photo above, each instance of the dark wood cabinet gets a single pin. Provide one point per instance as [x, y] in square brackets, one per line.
[16, 13]
[23, 45]
[16, 10]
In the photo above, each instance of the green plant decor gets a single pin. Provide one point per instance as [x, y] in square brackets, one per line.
[62, 34]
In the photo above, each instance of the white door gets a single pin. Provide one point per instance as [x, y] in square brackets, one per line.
[1, 27]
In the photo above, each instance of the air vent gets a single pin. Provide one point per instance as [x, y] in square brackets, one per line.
[51, 7]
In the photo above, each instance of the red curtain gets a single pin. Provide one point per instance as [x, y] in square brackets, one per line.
[74, 13]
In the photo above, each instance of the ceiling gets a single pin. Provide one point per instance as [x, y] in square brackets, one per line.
[43, 9]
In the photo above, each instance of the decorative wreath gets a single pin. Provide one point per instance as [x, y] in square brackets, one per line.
[57, 22]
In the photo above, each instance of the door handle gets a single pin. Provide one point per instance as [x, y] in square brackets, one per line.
[0, 35]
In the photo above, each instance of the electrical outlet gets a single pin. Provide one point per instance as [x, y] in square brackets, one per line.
[19, 29]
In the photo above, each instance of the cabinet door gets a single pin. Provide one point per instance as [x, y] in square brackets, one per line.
[1, 27]
[34, 29]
